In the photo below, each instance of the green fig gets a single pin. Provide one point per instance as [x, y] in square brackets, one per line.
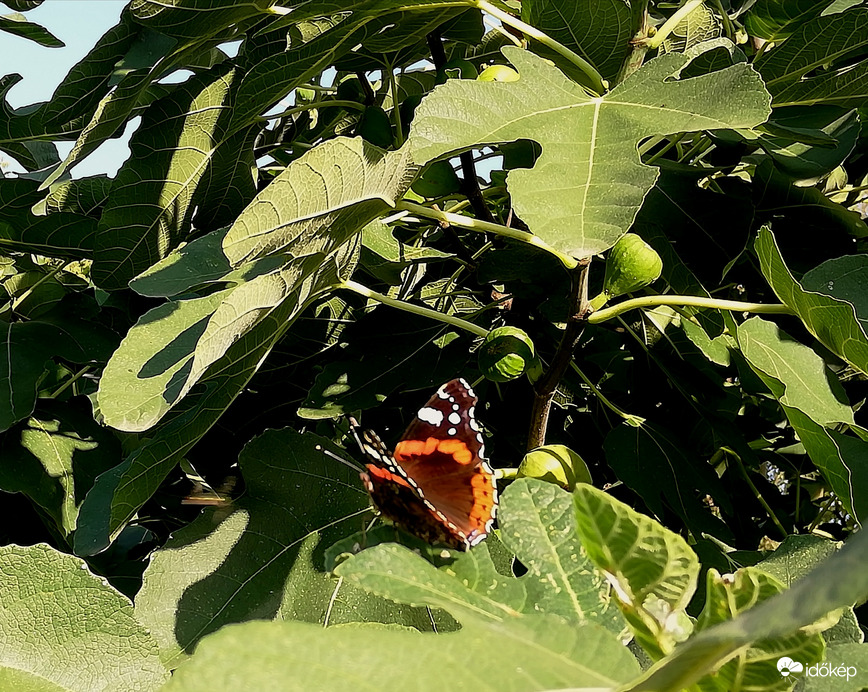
[506, 354]
[459, 68]
[556, 464]
[438, 180]
[498, 73]
[375, 127]
[630, 265]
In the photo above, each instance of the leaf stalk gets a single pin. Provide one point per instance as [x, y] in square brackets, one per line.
[414, 309]
[486, 227]
[597, 82]
[693, 301]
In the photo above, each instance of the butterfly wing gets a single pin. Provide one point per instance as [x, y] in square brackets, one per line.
[442, 453]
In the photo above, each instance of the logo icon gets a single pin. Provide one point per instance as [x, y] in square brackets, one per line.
[787, 666]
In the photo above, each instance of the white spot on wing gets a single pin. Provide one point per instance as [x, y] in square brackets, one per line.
[454, 418]
[452, 431]
[431, 416]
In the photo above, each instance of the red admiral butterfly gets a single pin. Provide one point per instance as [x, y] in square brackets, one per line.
[437, 484]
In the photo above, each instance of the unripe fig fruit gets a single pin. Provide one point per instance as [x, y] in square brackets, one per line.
[506, 354]
[439, 179]
[375, 127]
[460, 69]
[556, 464]
[498, 73]
[630, 265]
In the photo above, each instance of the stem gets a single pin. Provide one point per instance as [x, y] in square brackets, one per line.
[66, 385]
[671, 23]
[486, 227]
[415, 309]
[757, 493]
[54, 272]
[370, 96]
[629, 418]
[597, 82]
[694, 301]
[396, 112]
[545, 386]
[665, 148]
[506, 474]
[728, 28]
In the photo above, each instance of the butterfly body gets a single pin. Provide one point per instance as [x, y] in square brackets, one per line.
[437, 484]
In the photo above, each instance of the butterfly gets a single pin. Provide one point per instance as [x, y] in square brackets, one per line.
[436, 484]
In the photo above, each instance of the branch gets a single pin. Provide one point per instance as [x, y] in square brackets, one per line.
[544, 388]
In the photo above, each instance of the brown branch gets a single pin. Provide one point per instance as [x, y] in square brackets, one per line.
[370, 96]
[544, 388]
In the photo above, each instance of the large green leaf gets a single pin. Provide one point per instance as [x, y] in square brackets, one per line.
[589, 155]
[814, 403]
[400, 575]
[313, 47]
[64, 629]
[834, 321]
[653, 462]
[796, 375]
[60, 233]
[148, 211]
[802, 160]
[17, 25]
[823, 62]
[84, 196]
[25, 348]
[325, 197]
[119, 493]
[850, 663]
[777, 194]
[193, 19]
[600, 33]
[756, 667]
[497, 657]
[171, 347]
[75, 98]
[265, 559]
[168, 351]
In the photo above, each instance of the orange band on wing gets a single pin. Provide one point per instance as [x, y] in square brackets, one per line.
[420, 448]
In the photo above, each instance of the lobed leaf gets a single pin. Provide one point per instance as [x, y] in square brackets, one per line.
[589, 156]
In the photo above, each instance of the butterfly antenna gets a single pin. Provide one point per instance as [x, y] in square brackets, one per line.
[346, 462]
